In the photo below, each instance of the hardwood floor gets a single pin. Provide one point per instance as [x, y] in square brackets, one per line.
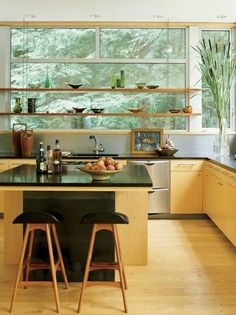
[191, 271]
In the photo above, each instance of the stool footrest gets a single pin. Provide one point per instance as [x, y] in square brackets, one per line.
[105, 283]
[36, 283]
[103, 265]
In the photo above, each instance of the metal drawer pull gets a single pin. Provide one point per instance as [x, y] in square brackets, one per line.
[186, 164]
[219, 183]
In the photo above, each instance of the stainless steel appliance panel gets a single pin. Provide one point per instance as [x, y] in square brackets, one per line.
[159, 201]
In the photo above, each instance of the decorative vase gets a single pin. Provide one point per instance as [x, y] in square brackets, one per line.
[17, 108]
[221, 144]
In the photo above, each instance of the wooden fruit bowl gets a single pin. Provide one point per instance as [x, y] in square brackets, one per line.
[101, 174]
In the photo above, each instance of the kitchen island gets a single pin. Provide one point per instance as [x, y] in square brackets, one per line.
[129, 189]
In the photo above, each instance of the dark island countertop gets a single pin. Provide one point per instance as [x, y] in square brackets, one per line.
[25, 175]
[228, 162]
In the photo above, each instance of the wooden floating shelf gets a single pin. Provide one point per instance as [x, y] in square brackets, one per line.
[104, 114]
[84, 90]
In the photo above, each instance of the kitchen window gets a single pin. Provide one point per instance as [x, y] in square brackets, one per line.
[91, 56]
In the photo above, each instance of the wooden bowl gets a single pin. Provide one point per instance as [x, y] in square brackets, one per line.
[165, 152]
[101, 175]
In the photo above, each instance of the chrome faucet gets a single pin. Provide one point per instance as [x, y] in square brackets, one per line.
[97, 148]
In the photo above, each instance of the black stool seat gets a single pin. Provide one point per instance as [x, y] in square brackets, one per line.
[38, 217]
[105, 218]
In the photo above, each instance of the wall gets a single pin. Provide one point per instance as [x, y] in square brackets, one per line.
[187, 144]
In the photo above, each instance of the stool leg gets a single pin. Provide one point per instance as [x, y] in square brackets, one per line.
[122, 264]
[53, 271]
[20, 268]
[31, 239]
[120, 269]
[88, 262]
[54, 233]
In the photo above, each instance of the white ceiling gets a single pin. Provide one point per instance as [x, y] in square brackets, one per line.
[118, 10]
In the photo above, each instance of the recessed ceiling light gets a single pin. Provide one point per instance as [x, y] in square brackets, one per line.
[95, 16]
[157, 16]
[221, 16]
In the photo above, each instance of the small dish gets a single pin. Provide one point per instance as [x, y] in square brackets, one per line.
[97, 110]
[135, 110]
[174, 110]
[74, 86]
[140, 85]
[79, 110]
[152, 86]
[34, 86]
[165, 152]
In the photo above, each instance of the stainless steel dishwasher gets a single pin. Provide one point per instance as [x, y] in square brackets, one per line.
[159, 197]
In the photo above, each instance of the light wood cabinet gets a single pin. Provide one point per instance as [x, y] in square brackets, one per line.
[6, 164]
[220, 199]
[186, 186]
[3, 167]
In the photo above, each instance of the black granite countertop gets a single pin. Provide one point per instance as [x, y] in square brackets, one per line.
[25, 175]
[227, 162]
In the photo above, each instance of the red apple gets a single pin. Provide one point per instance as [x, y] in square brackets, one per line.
[110, 167]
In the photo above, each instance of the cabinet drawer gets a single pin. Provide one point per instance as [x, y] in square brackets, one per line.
[187, 165]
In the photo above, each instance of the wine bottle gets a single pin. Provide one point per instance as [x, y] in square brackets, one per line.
[122, 79]
[57, 158]
[41, 161]
[49, 159]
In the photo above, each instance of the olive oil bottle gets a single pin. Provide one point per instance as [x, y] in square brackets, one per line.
[57, 158]
[41, 161]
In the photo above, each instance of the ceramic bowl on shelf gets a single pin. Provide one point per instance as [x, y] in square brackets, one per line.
[74, 86]
[69, 111]
[140, 85]
[97, 110]
[79, 109]
[174, 110]
[152, 86]
[34, 85]
[135, 110]
[101, 174]
[165, 151]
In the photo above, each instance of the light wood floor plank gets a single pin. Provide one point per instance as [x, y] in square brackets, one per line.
[191, 271]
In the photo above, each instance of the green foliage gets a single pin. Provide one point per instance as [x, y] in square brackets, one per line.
[218, 69]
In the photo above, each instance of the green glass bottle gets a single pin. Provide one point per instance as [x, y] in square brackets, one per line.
[113, 81]
[122, 79]
[47, 82]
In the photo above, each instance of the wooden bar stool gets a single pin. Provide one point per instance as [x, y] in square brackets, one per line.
[44, 221]
[104, 221]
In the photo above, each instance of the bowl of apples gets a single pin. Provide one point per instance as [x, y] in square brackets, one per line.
[103, 168]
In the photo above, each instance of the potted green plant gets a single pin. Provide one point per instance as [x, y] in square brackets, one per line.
[217, 67]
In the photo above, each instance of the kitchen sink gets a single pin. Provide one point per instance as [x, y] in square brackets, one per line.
[92, 155]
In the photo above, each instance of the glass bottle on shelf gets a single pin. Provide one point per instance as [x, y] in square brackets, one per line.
[18, 107]
[49, 159]
[122, 79]
[57, 158]
[46, 81]
[41, 161]
[113, 81]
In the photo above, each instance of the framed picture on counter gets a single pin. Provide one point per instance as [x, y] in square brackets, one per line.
[144, 141]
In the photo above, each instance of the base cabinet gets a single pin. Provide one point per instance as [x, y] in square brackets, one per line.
[186, 186]
[6, 164]
[220, 199]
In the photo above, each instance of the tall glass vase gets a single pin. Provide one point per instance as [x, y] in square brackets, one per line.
[221, 144]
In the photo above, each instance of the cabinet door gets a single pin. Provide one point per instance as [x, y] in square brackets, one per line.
[3, 167]
[186, 192]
